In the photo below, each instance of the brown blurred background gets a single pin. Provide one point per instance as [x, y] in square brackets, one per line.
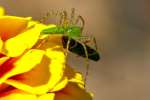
[121, 28]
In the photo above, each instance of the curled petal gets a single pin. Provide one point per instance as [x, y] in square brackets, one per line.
[10, 26]
[60, 85]
[71, 76]
[45, 76]
[73, 92]
[74, 76]
[24, 64]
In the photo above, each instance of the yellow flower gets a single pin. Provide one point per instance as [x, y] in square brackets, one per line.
[33, 72]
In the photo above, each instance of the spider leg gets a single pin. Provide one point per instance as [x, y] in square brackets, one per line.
[77, 20]
[95, 43]
[49, 14]
[67, 49]
[89, 39]
[72, 16]
[40, 42]
[86, 60]
[80, 18]
[42, 20]
[86, 64]
[93, 39]
[61, 19]
[65, 19]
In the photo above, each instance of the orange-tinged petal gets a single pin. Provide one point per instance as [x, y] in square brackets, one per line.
[73, 92]
[46, 75]
[3, 59]
[60, 85]
[52, 41]
[70, 75]
[7, 66]
[48, 96]
[1, 44]
[10, 26]
[27, 62]
[18, 95]
[17, 45]
[57, 66]
[74, 76]
[77, 79]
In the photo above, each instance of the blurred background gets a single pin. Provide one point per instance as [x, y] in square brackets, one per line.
[121, 28]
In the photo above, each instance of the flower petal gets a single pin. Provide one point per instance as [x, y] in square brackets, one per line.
[1, 44]
[45, 76]
[52, 41]
[74, 76]
[48, 96]
[69, 75]
[2, 11]
[3, 59]
[10, 26]
[73, 92]
[7, 66]
[17, 45]
[24, 64]
[60, 85]
[18, 95]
